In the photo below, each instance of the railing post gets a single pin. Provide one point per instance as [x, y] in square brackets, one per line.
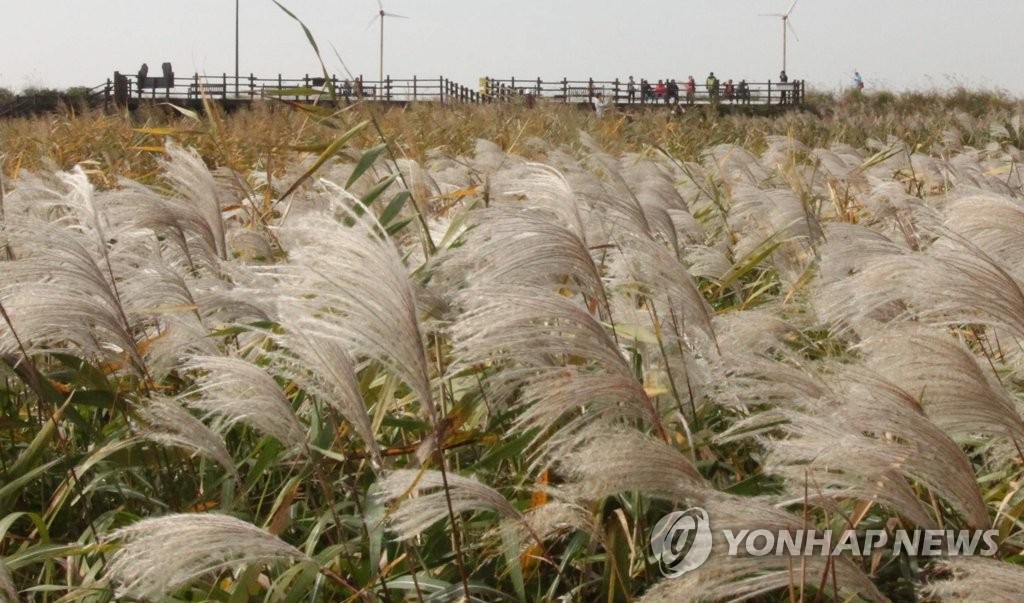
[539, 87]
[615, 90]
[769, 92]
[224, 88]
[305, 84]
[252, 85]
[565, 89]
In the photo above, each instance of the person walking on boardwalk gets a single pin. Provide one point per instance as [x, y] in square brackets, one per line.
[858, 81]
[784, 79]
[659, 90]
[691, 90]
[599, 104]
[671, 92]
[729, 90]
[712, 86]
[631, 90]
[743, 92]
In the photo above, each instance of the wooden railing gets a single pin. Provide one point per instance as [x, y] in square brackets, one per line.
[618, 92]
[441, 89]
[306, 88]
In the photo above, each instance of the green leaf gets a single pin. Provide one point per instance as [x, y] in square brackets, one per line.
[309, 34]
[397, 226]
[29, 457]
[375, 192]
[12, 487]
[44, 552]
[391, 211]
[368, 159]
[329, 152]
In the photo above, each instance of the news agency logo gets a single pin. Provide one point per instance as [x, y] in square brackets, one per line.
[681, 542]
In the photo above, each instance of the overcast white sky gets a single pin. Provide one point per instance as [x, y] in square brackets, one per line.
[896, 44]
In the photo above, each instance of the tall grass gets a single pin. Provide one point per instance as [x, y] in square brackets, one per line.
[257, 356]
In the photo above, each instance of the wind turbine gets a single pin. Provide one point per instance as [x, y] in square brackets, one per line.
[383, 13]
[785, 25]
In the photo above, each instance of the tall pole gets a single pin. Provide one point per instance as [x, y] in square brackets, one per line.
[381, 75]
[236, 47]
[784, 44]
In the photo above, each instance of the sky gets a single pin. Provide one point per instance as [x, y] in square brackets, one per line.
[895, 44]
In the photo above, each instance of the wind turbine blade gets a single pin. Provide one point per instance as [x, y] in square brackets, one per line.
[380, 5]
[394, 15]
[372, 21]
[789, 24]
[771, 15]
[791, 6]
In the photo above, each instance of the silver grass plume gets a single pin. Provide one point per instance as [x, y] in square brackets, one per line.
[239, 391]
[527, 248]
[540, 187]
[167, 315]
[353, 280]
[993, 224]
[957, 283]
[667, 210]
[663, 277]
[615, 460]
[192, 181]
[857, 445]
[571, 370]
[940, 372]
[319, 363]
[189, 239]
[162, 554]
[421, 499]
[735, 165]
[951, 282]
[614, 206]
[762, 366]
[975, 579]
[759, 217]
[58, 295]
[168, 423]
[552, 519]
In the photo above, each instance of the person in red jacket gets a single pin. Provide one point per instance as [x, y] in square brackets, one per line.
[659, 90]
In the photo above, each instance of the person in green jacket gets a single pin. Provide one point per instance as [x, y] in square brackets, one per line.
[712, 86]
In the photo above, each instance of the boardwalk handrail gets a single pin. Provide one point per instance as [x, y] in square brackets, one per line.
[617, 91]
[441, 89]
[307, 88]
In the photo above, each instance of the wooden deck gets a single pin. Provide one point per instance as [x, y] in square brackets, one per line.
[444, 90]
[132, 91]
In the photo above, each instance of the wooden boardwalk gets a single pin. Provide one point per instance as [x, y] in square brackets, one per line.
[125, 89]
[131, 91]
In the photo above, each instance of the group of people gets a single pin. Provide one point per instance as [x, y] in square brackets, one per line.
[668, 90]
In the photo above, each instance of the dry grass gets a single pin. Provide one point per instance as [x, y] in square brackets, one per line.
[486, 365]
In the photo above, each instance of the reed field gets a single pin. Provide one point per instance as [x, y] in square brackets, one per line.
[475, 353]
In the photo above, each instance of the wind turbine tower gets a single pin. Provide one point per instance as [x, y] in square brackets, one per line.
[786, 25]
[381, 15]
